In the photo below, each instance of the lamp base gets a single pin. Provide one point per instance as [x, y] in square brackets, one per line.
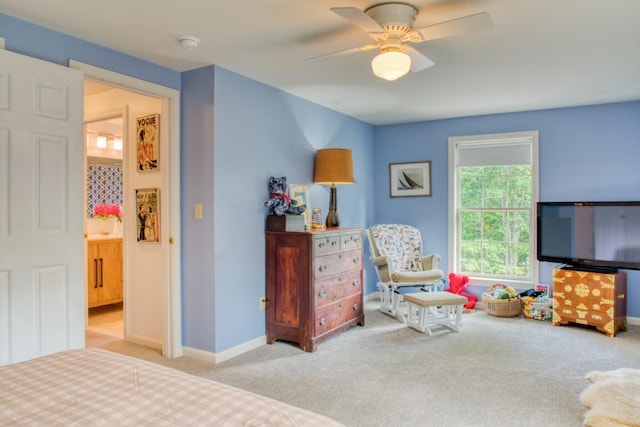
[333, 219]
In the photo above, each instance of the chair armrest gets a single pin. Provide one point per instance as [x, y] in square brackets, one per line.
[384, 267]
[430, 262]
[380, 261]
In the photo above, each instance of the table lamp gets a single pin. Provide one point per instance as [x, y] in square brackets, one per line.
[334, 166]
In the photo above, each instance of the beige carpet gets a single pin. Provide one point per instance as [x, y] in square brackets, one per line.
[494, 372]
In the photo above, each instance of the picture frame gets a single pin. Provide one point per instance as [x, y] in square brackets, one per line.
[300, 193]
[410, 179]
[147, 215]
[148, 143]
[543, 288]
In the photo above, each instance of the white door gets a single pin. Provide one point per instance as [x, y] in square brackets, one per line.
[42, 293]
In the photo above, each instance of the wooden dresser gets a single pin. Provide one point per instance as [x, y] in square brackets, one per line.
[588, 298]
[314, 284]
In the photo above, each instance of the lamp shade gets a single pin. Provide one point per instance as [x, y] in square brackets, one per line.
[391, 65]
[333, 166]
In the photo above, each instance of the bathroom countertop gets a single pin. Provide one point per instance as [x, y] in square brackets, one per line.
[104, 236]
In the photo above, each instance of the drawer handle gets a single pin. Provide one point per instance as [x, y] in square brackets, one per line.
[321, 245]
[620, 296]
[356, 282]
[355, 307]
[356, 260]
[323, 321]
[322, 293]
[333, 243]
[322, 268]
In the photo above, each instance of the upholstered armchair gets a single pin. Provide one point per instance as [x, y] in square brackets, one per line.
[396, 252]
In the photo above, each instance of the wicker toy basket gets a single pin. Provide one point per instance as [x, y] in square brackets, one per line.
[500, 307]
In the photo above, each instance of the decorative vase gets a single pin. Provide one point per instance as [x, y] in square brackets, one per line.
[117, 226]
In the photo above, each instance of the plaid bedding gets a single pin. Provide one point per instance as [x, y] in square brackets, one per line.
[93, 387]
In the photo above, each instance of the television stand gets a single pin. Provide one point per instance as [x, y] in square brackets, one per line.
[590, 298]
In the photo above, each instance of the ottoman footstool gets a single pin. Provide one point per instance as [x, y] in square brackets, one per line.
[422, 310]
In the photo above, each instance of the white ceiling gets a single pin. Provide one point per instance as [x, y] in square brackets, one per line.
[541, 53]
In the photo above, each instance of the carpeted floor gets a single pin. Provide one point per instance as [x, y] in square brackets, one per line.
[494, 372]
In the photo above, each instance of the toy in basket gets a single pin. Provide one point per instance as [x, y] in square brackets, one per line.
[501, 301]
[539, 308]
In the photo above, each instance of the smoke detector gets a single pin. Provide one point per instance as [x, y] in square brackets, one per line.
[189, 42]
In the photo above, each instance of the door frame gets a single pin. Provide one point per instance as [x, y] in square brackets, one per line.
[172, 327]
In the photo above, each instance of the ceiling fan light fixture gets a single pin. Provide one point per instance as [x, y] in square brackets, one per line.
[391, 65]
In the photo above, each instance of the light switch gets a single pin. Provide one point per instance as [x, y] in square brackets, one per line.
[197, 210]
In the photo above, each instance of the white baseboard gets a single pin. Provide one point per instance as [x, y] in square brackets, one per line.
[633, 321]
[373, 296]
[230, 353]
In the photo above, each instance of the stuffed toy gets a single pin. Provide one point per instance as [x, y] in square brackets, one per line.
[279, 203]
[457, 284]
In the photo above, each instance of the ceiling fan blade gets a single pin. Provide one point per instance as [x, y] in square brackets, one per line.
[344, 52]
[418, 61]
[455, 27]
[359, 18]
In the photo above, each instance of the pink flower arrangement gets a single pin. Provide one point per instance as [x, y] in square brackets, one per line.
[105, 211]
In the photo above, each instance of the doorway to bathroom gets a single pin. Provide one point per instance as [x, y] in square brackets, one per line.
[104, 195]
[151, 268]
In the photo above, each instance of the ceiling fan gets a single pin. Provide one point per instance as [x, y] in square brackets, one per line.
[391, 26]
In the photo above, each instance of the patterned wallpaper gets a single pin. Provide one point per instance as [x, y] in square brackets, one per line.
[104, 185]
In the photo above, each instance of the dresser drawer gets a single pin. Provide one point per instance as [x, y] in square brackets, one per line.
[334, 315]
[587, 317]
[332, 265]
[585, 290]
[328, 291]
[351, 241]
[325, 245]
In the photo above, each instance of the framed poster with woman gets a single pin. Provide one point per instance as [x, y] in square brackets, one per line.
[147, 136]
[148, 215]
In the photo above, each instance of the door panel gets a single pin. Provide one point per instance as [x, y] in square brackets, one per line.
[42, 295]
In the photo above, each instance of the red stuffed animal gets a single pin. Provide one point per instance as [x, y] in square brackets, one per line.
[457, 285]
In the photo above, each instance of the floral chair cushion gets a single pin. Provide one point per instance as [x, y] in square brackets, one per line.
[401, 243]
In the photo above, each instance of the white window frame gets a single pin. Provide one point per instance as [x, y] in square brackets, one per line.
[456, 142]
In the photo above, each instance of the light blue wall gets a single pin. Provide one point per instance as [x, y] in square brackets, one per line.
[255, 131]
[586, 153]
[196, 186]
[38, 42]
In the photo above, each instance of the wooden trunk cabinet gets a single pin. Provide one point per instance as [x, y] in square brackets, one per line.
[589, 298]
[104, 272]
[314, 284]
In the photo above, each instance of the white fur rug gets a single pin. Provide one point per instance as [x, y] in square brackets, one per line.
[613, 398]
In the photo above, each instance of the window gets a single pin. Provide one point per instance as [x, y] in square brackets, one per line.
[493, 181]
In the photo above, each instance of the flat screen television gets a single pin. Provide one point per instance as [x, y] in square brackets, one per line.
[589, 235]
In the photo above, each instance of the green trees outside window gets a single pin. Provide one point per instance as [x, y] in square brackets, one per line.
[495, 220]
